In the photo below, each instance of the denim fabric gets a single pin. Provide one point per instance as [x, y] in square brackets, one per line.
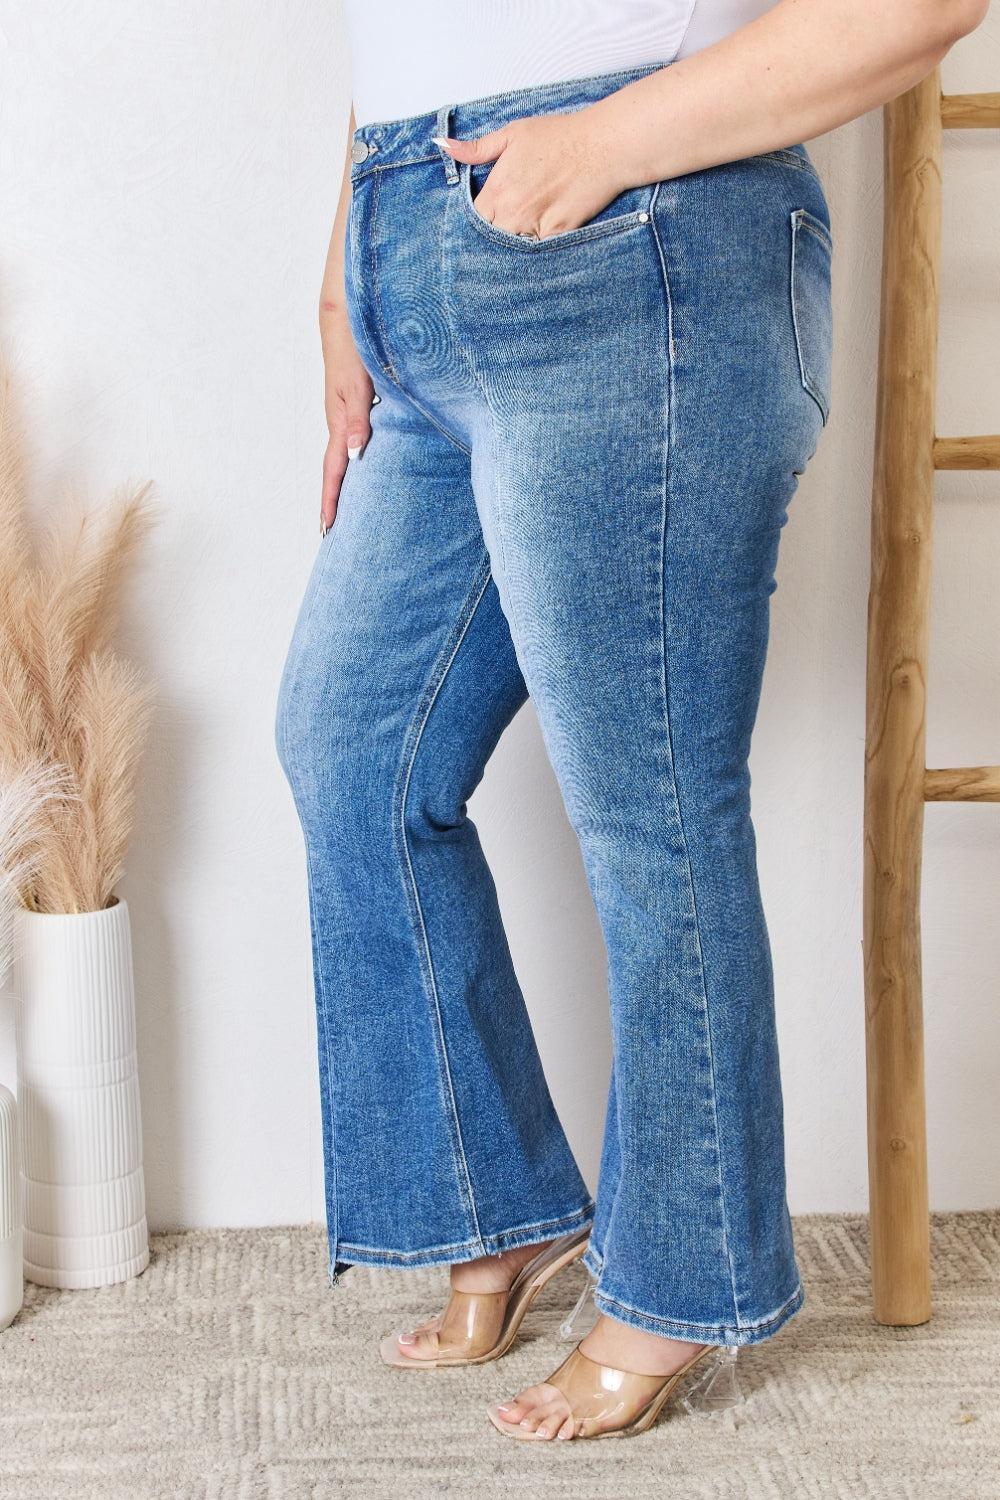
[579, 469]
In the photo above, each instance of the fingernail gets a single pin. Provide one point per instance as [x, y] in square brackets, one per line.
[323, 528]
[439, 140]
[354, 452]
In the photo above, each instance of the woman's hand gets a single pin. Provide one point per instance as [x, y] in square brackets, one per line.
[552, 172]
[349, 395]
[349, 388]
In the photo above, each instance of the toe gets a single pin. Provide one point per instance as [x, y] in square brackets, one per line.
[568, 1428]
[548, 1417]
[509, 1429]
[411, 1344]
[511, 1411]
[419, 1344]
[519, 1407]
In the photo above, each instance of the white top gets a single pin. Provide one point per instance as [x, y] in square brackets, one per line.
[411, 56]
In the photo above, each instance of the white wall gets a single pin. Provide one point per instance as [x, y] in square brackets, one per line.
[168, 174]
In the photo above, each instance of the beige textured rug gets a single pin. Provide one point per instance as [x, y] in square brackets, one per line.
[231, 1370]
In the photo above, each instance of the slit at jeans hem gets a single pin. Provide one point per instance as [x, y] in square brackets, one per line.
[474, 1249]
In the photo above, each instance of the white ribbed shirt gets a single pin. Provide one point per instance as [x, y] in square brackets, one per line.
[410, 56]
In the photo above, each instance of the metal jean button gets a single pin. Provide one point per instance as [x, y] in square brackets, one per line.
[361, 151]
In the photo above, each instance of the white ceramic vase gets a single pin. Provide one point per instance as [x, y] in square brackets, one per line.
[11, 1255]
[78, 1100]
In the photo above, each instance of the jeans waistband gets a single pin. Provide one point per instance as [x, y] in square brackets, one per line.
[397, 143]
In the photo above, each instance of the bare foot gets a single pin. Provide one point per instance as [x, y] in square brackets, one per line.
[544, 1410]
[491, 1273]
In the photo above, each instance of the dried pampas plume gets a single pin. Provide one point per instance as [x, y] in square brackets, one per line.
[23, 799]
[69, 704]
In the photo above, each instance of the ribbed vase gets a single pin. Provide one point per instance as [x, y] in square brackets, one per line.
[78, 1100]
[11, 1258]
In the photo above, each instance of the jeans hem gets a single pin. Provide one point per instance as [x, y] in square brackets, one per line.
[732, 1335]
[474, 1249]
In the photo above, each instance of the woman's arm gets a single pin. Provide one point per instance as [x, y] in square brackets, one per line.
[802, 68]
[349, 388]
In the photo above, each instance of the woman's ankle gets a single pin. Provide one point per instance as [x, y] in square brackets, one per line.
[493, 1273]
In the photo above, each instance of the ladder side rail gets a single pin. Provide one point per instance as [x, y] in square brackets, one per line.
[898, 611]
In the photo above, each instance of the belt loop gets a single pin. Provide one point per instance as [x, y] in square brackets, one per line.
[442, 129]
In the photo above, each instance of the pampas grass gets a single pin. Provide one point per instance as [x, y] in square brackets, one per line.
[22, 800]
[70, 708]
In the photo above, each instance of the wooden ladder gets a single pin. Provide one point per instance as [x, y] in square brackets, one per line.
[897, 781]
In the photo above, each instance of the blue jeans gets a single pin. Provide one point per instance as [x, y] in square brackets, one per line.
[578, 473]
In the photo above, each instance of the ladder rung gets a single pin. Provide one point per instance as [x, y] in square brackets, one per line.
[963, 784]
[967, 452]
[970, 111]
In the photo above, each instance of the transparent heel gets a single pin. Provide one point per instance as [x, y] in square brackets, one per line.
[714, 1384]
[716, 1388]
[583, 1315]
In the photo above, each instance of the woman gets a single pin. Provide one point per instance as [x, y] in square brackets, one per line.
[576, 325]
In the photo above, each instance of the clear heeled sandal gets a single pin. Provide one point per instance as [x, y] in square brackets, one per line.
[480, 1326]
[608, 1402]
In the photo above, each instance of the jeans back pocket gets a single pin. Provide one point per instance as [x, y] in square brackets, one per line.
[812, 315]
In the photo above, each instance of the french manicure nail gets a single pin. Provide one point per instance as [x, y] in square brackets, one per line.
[354, 452]
[439, 140]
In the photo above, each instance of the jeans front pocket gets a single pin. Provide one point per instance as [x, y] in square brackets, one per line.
[812, 315]
[628, 211]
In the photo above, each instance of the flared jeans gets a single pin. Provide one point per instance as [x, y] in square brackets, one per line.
[582, 454]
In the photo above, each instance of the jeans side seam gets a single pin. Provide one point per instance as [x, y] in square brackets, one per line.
[669, 443]
[425, 708]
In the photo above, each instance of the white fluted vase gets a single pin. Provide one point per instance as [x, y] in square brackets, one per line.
[11, 1255]
[78, 1100]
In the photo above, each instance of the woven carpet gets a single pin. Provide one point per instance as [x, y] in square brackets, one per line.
[231, 1370]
